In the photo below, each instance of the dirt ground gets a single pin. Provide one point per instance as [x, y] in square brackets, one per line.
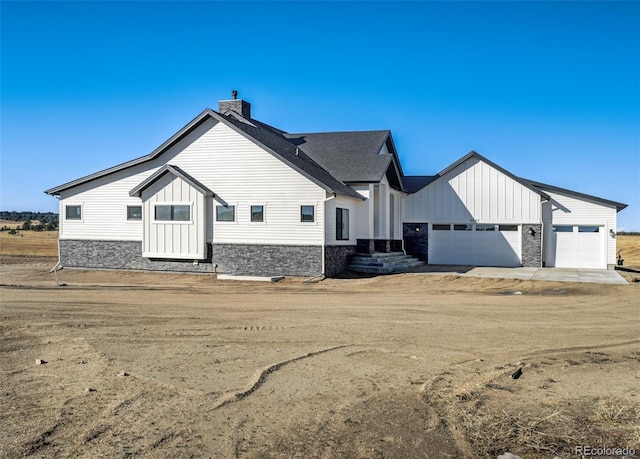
[402, 366]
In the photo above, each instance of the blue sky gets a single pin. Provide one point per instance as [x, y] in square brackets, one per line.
[548, 90]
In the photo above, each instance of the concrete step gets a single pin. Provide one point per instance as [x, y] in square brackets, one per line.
[356, 259]
[386, 263]
[380, 254]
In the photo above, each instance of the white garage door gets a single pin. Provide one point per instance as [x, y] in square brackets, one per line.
[579, 246]
[474, 244]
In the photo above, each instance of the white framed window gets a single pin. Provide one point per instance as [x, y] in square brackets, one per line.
[588, 229]
[257, 214]
[307, 214]
[562, 229]
[342, 224]
[439, 227]
[225, 213]
[73, 212]
[507, 228]
[179, 213]
[134, 212]
[485, 227]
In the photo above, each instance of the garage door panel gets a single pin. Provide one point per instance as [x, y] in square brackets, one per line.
[580, 247]
[479, 248]
[589, 250]
[566, 250]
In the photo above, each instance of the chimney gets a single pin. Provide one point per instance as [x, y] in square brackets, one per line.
[237, 105]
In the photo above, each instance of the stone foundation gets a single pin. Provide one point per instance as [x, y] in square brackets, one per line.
[337, 257]
[257, 260]
[379, 245]
[121, 255]
[268, 260]
[532, 246]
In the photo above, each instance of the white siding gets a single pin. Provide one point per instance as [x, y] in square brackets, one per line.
[104, 207]
[474, 191]
[569, 210]
[364, 224]
[165, 239]
[356, 208]
[234, 168]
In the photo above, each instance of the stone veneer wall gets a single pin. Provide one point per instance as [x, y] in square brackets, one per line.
[337, 257]
[532, 246]
[259, 260]
[121, 255]
[416, 242]
[268, 260]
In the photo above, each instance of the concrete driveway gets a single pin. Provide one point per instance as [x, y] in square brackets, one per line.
[595, 276]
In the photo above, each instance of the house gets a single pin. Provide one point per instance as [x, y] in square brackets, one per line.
[228, 193]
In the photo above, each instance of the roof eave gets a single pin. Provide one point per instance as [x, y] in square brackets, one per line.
[205, 114]
[618, 205]
[176, 172]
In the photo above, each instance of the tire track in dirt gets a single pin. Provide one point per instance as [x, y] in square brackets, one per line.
[562, 350]
[261, 376]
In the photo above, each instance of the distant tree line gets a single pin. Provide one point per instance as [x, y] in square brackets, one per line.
[47, 221]
[628, 233]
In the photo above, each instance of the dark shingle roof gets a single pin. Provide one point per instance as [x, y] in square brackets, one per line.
[290, 154]
[263, 135]
[348, 156]
[413, 183]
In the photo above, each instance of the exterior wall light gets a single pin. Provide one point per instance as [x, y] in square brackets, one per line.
[532, 231]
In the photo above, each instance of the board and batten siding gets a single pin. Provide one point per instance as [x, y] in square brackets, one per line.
[563, 209]
[238, 171]
[473, 191]
[173, 239]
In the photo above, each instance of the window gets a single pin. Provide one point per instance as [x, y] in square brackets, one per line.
[562, 229]
[441, 227]
[173, 212]
[225, 213]
[588, 229]
[307, 213]
[342, 224]
[508, 227]
[463, 227]
[134, 212]
[485, 227]
[73, 213]
[257, 213]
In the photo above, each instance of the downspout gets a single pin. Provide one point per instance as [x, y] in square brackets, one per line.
[59, 263]
[542, 260]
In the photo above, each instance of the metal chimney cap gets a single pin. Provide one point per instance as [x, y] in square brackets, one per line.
[234, 94]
